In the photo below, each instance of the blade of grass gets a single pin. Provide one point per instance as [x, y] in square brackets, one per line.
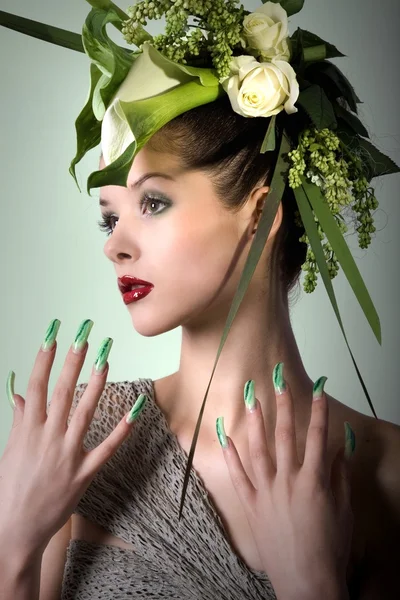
[267, 218]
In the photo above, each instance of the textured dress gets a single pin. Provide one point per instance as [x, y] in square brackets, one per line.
[136, 496]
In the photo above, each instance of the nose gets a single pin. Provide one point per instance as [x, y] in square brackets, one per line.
[122, 243]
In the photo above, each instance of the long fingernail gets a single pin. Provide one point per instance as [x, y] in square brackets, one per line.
[350, 440]
[221, 432]
[249, 397]
[102, 355]
[51, 335]
[10, 388]
[277, 378]
[136, 409]
[319, 387]
[82, 335]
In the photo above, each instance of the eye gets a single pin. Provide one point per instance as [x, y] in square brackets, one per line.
[105, 223]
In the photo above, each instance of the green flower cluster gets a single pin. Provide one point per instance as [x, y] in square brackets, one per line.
[342, 183]
[215, 32]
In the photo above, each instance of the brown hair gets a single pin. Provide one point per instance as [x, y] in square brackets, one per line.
[226, 145]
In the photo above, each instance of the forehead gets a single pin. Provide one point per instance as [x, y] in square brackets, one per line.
[147, 159]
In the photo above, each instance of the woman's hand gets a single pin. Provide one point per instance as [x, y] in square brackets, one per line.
[45, 469]
[299, 513]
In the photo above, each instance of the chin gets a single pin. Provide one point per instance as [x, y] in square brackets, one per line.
[148, 325]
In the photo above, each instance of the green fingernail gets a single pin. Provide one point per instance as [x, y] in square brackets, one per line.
[102, 354]
[82, 334]
[136, 408]
[249, 397]
[10, 388]
[51, 335]
[277, 378]
[319, 387]
[350, 440]
[221, 432]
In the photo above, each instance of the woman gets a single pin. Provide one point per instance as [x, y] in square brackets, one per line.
[293, 533]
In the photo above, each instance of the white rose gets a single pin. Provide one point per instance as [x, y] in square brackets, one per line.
[261, 89]
[266, 29]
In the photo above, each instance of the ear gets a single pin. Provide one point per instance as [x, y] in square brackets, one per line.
[258, 199]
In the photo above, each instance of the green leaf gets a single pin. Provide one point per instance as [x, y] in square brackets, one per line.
[269, 140]
[141, 34]
[113, 60]
[315, 242]
[88, 129]
[109, 67]
[100, 48]
[335, 84]
[374, 162]
[266, 220]
[291, 6]
[41, 31]
[318, 107]
[305, 41]
[144, 118]
[102, 4]
[351, 120]
[343, 254]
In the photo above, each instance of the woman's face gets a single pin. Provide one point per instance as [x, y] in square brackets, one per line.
[182, 240]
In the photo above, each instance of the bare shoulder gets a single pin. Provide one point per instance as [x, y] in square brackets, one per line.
[376, 506]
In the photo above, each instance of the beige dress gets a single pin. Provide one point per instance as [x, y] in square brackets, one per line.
[136, 496]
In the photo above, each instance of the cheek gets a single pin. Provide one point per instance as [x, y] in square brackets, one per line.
[198, 252]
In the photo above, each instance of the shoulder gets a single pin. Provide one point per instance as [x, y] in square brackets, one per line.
[114, 403]
[118, 392]
[380, 491]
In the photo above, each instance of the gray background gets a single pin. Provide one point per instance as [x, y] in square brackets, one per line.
[53, 265]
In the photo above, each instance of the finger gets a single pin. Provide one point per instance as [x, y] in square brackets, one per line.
[84, 412]
[17, 402]
[240, 480]
[315, 457]
[285, 431]
[99, 456]
[37, 390]
[64, 390]
[261, 460]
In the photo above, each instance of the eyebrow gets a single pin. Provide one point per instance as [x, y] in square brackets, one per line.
[135, 185]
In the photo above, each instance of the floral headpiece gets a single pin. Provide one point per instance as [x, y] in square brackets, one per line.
[323, 156]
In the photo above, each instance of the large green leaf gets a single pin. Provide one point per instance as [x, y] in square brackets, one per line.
[350, 119]
[371, 161]
[336, 85]
[41, 31]
[109, 67]
[88, 129]
[291, 6]
[343, 254]
[318, 107]
[315, 242]
[264, 227]
[141, 34]
[113, 60]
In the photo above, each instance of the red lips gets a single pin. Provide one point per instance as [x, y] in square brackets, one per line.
[126, 282]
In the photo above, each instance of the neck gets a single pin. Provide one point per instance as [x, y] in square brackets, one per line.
[259, 338]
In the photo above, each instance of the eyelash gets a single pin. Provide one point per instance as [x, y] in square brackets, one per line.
[104, 223]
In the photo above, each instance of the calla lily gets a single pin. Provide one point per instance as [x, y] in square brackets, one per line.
[151, 75]
[155, 90]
